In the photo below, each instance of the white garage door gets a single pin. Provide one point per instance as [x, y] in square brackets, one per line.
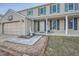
[12, 28]
[42, 26]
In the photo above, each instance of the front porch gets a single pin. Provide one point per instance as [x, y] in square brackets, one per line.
[59, 26]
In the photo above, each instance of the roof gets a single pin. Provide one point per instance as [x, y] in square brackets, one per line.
[10, 10]
[36, 6]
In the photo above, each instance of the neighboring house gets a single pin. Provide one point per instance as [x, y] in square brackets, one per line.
[53, 18]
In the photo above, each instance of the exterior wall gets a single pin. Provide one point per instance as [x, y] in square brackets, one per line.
[16, 26]
[16, 17]
[32, 26]
[27, 27]
[35, 12]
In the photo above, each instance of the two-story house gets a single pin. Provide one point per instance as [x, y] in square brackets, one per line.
[53, 18]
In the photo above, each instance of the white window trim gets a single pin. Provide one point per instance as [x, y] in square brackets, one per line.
[56, 24]
[56, 8]
[40, 9]
[73, 8]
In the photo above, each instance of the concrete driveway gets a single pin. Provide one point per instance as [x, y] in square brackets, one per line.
[4, 37]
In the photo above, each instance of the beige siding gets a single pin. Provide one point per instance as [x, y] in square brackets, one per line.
[35, 12]
[27, 27]
[32, 26]
[16, 17]
[62, 24]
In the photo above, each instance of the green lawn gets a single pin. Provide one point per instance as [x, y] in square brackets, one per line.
[62, 46]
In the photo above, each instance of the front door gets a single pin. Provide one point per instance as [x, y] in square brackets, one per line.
[42, 26]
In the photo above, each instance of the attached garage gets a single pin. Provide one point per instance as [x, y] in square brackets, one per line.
[15, 24]
[12, 28]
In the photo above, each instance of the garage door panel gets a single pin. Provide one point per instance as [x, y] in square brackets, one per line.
[12, 28]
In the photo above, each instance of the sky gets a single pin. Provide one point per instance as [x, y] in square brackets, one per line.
[16, 6]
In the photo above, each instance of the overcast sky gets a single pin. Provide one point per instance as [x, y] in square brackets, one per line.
[16, 6]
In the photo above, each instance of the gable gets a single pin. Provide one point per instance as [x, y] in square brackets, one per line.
[12, 15]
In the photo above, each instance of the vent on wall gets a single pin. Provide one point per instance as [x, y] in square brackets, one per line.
[10, 18]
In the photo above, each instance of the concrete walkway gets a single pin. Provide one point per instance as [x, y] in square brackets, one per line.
[30, 41]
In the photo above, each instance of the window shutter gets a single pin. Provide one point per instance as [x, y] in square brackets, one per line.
[58, 8]
[66, 7]
[45, 26]
[50, 24]
[75, 23]
[76, 6]
[58, 24]
[38, 25]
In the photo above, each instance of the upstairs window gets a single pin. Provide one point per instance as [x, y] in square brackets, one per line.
[71, 7]
[55, 8]
[42, 11]
[29, 12]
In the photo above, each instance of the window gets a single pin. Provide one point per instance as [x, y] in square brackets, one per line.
[55, 24]
[76, 6]
[29, 12]
[71, 6]
[72, 24]
[55, 8]
[42, 11]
